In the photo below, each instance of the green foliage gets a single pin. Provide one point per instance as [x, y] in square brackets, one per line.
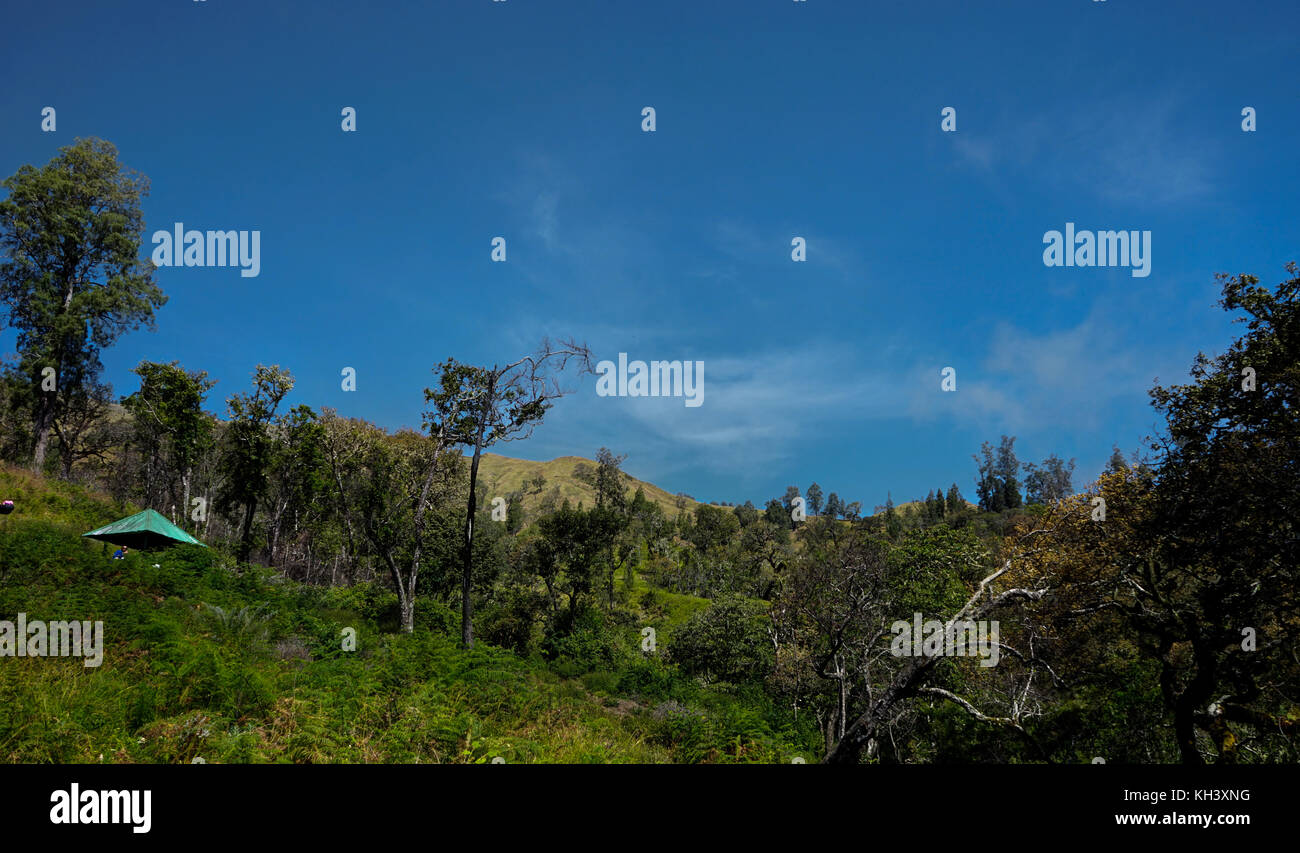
[190, 670]
[591, 641]
[728, 642]
[770, 635]
[249, 448]
[998, 485]
[170, 428]
[72, 280]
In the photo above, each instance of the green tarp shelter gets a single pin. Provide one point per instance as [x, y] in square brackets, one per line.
[146, 531]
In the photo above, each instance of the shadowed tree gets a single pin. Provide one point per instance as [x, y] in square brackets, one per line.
[297, 474]
[249, 447]
[1225, 541]
[84, 428]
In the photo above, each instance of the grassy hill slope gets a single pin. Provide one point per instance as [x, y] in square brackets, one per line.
[501, 475]
[204, 658]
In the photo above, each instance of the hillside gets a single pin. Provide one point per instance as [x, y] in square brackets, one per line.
[204, 658]
[501, 475]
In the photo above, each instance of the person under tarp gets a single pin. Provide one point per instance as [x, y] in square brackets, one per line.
[147, 531]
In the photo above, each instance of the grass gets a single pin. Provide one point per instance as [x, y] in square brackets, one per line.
[501, 475]
[207, 659]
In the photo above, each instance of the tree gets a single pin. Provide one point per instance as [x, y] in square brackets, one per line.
[394, 494]
[71, 278]
[787, 502]
[834, 626]
[568, 553]
[775, 514]
[1226, 552]
[170, 427]
[1116, 464]
[833, 506]
[297, 471]
[954, 503]
[814, 498]
[1008, 473]
[1050, 482]
[83, 426]
[746, 513]
[249, 447]
[714, 527]
[1193, 568]
[846, 601]
[988, 489]
[535, 484]
[505, 403]
[514, 513]
[86, 429]
[893, 524]
[609, 480]
[726, 642]
[998, 484]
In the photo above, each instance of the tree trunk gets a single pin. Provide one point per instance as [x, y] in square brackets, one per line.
[275, 533]
[246, 535]
[48, 400]
[44, 425]
[467, 573]
[1195, 697]
[408, 613]
[65, 459]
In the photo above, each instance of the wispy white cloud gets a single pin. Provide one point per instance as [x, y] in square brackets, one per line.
[1121, 150]
[746, 243]
[1066, 379]
[761, 411]
[757, 410]
[545, 221]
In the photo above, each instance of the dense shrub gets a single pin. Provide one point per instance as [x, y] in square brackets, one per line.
[727, 642]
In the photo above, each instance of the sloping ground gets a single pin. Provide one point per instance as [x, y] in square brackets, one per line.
[501, 475]
[204, 659]
[54, 500]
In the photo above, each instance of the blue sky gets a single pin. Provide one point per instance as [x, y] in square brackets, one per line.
[775, 119]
